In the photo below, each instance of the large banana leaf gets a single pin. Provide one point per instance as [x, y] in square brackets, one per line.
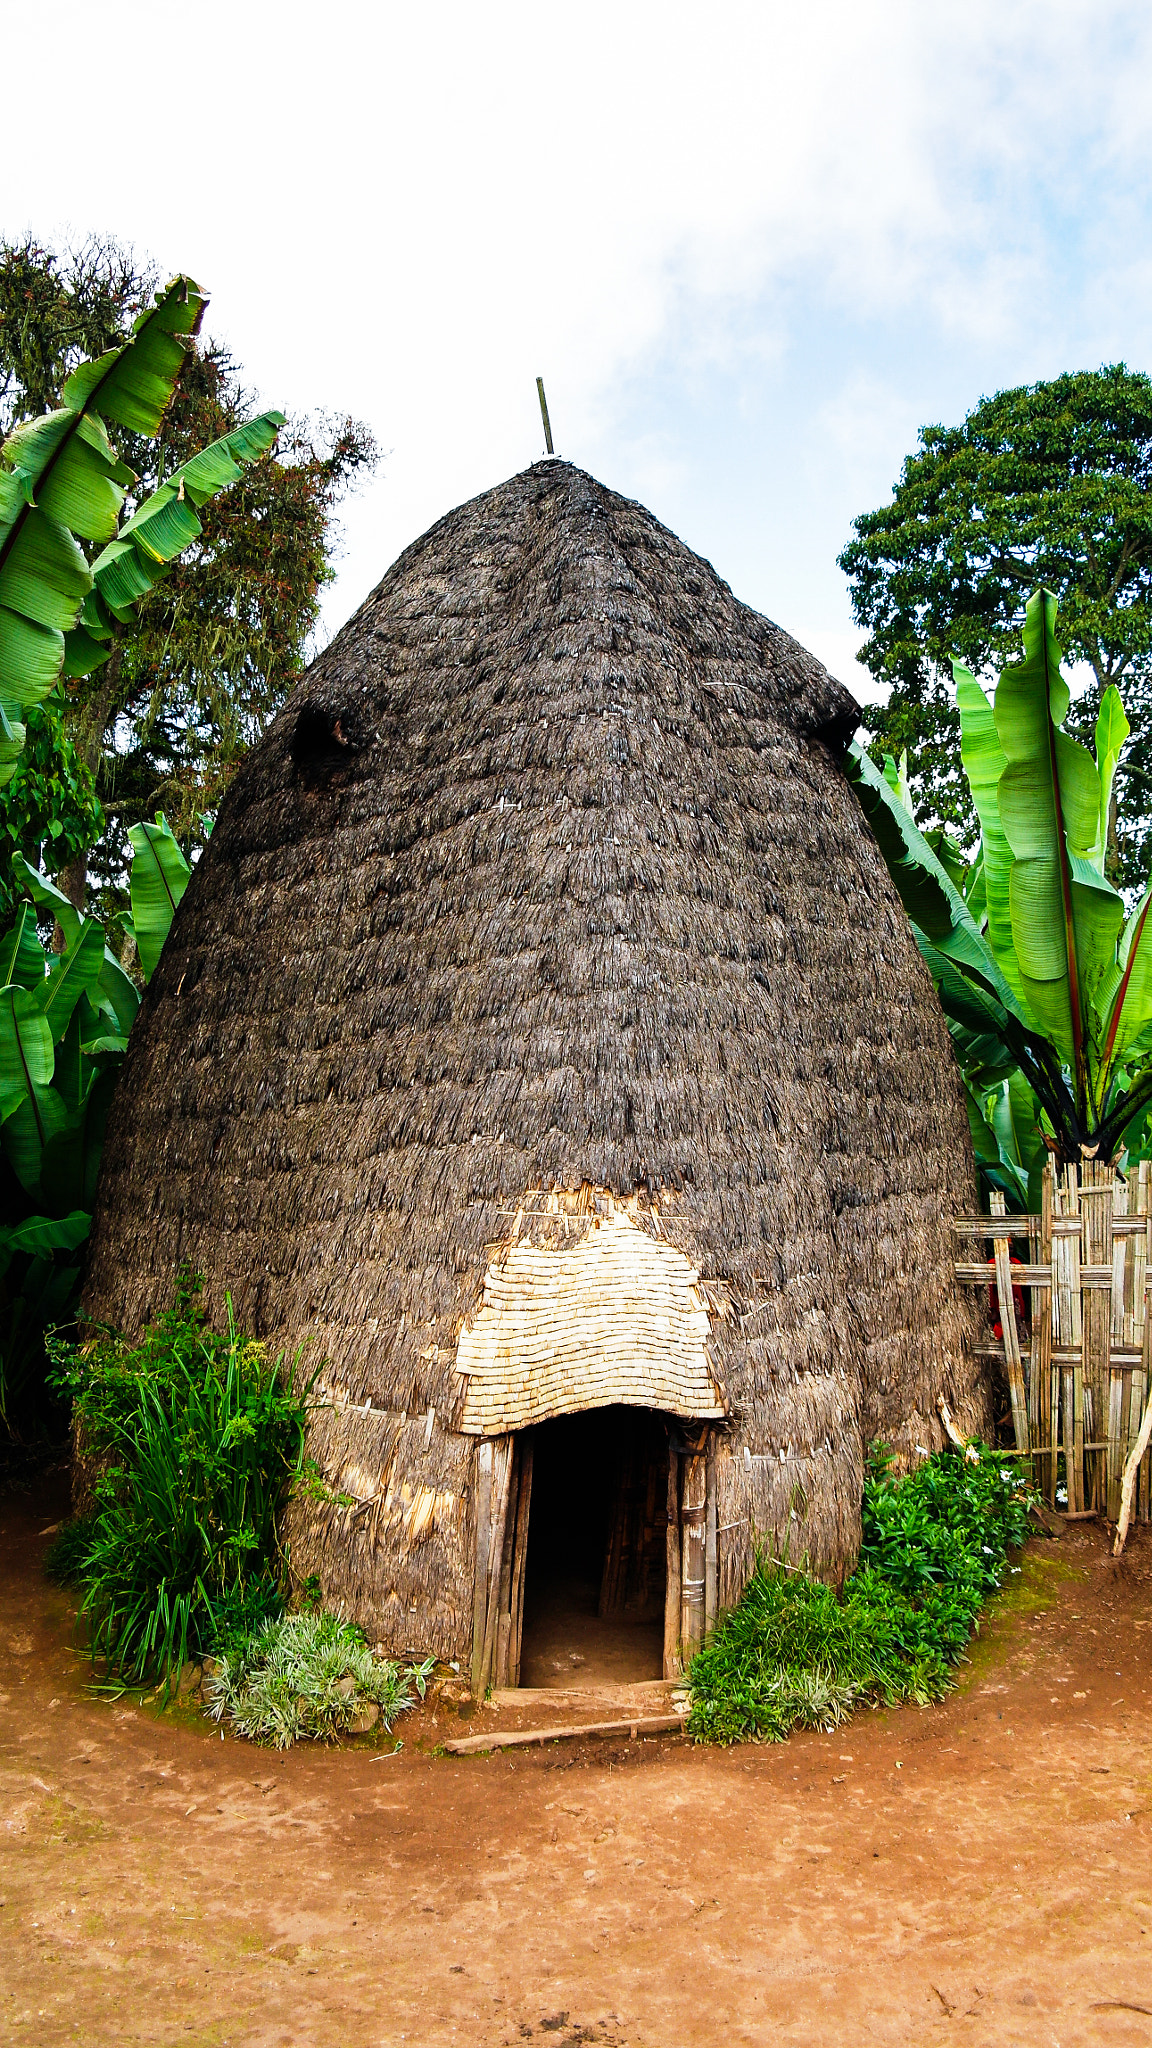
[167, 523]
[74, 974]
[1065, 917]
[928, 894]
[43, 1234]
[984, 762]
[49, 897]
[26, 1056]
[1112, 729]
[64, 479]
[21, 954]
[160, 875]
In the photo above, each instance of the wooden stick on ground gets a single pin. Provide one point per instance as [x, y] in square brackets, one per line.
[638, 1724]
[1128, 1484]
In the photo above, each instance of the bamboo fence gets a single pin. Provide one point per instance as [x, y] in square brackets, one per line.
[1078, 1364]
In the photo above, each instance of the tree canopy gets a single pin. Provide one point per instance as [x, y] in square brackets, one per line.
[164, 723]
[1049, 484]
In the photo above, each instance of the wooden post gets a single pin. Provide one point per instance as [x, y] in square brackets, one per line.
[672, 1665]
[1119, 1374]
[694, 1544]
[1097, 1182]
[498, 1523]
[1140, 1386]
[483, 1470]
[1066, 1332]
[1012, 1357]
[1048, 1384]
[520, 1559]
[712, 1542]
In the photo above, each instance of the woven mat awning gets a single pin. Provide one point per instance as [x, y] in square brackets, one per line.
[618, 1318]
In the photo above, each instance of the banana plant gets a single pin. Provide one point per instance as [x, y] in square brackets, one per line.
[1040, 973]
[64, 1025]
[62, 484]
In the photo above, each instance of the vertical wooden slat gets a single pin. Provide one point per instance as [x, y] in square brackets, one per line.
[1012, 1357]
[1140, 1332]
[1067, 1335]
[501, 1658]
[693, 1545]
[501, 1486]
[672, 1665]
[1048, 1394]
[483, 1470]
[712, 1541]
[520, 1559]
[1119, 1376]
[1098, 1181]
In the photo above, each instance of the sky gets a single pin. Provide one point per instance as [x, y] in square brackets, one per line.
[752, 249]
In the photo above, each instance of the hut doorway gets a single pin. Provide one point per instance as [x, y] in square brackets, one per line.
[597, 1550]
[595, 1568]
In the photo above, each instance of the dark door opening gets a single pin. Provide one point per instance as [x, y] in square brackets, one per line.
[596, 1549]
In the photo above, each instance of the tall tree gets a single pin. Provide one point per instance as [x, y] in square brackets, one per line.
[1049, 484]
[220, 641]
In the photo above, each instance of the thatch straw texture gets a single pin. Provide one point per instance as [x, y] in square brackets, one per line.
[547, 879]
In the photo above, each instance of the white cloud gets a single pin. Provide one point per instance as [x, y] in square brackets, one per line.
[730, 239]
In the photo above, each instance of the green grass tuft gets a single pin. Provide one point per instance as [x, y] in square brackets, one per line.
[306, 1677]
[199, 1438]
[794, 1654]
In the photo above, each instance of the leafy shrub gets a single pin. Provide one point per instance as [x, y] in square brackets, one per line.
[306, 1677]
[794, 1654]
[67, 1554]
[198, 1440]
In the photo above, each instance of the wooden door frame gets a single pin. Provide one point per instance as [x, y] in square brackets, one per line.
[503, 1502]
[693, 1559]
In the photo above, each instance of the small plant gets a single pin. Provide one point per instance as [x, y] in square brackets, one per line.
[308, 1677]
[199, 1439]
[793, 1654]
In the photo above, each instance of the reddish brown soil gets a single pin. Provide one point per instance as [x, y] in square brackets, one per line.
[980, 1872]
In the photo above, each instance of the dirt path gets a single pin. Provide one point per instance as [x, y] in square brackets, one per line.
[981, 1872]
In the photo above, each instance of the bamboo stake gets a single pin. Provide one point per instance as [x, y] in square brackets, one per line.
[672, 1666]
[1098, 1181]
[694, 1544]
[1007, 1306]
[1128, 1485]
[1042, 1325]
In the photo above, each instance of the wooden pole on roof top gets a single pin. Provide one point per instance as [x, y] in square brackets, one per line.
[544, 415]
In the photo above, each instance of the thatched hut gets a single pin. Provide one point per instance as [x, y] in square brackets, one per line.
[542, 1046]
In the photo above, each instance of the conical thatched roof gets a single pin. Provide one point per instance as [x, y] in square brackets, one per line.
[545, 893]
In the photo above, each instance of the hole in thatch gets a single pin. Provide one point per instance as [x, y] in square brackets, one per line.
[597, 1549]
[323, 743]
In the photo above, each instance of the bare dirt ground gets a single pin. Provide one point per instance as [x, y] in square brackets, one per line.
[981, 1872]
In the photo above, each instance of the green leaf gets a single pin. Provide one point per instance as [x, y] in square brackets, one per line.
[120, 990]
[44, 1234]
[21, 954]
[1065, 917]
[73, 1075]
[71, 1159]
[30, 658]
[1125, 996]
[26, 1057]
[44, 575]
[76, 973]
[166, 523]
[83, 652]
[935, 906]
[49, 897]
[132, 384]
[160, 875]
[25, 1133]
[984, 762]
[222, 461]
[1112, 729]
